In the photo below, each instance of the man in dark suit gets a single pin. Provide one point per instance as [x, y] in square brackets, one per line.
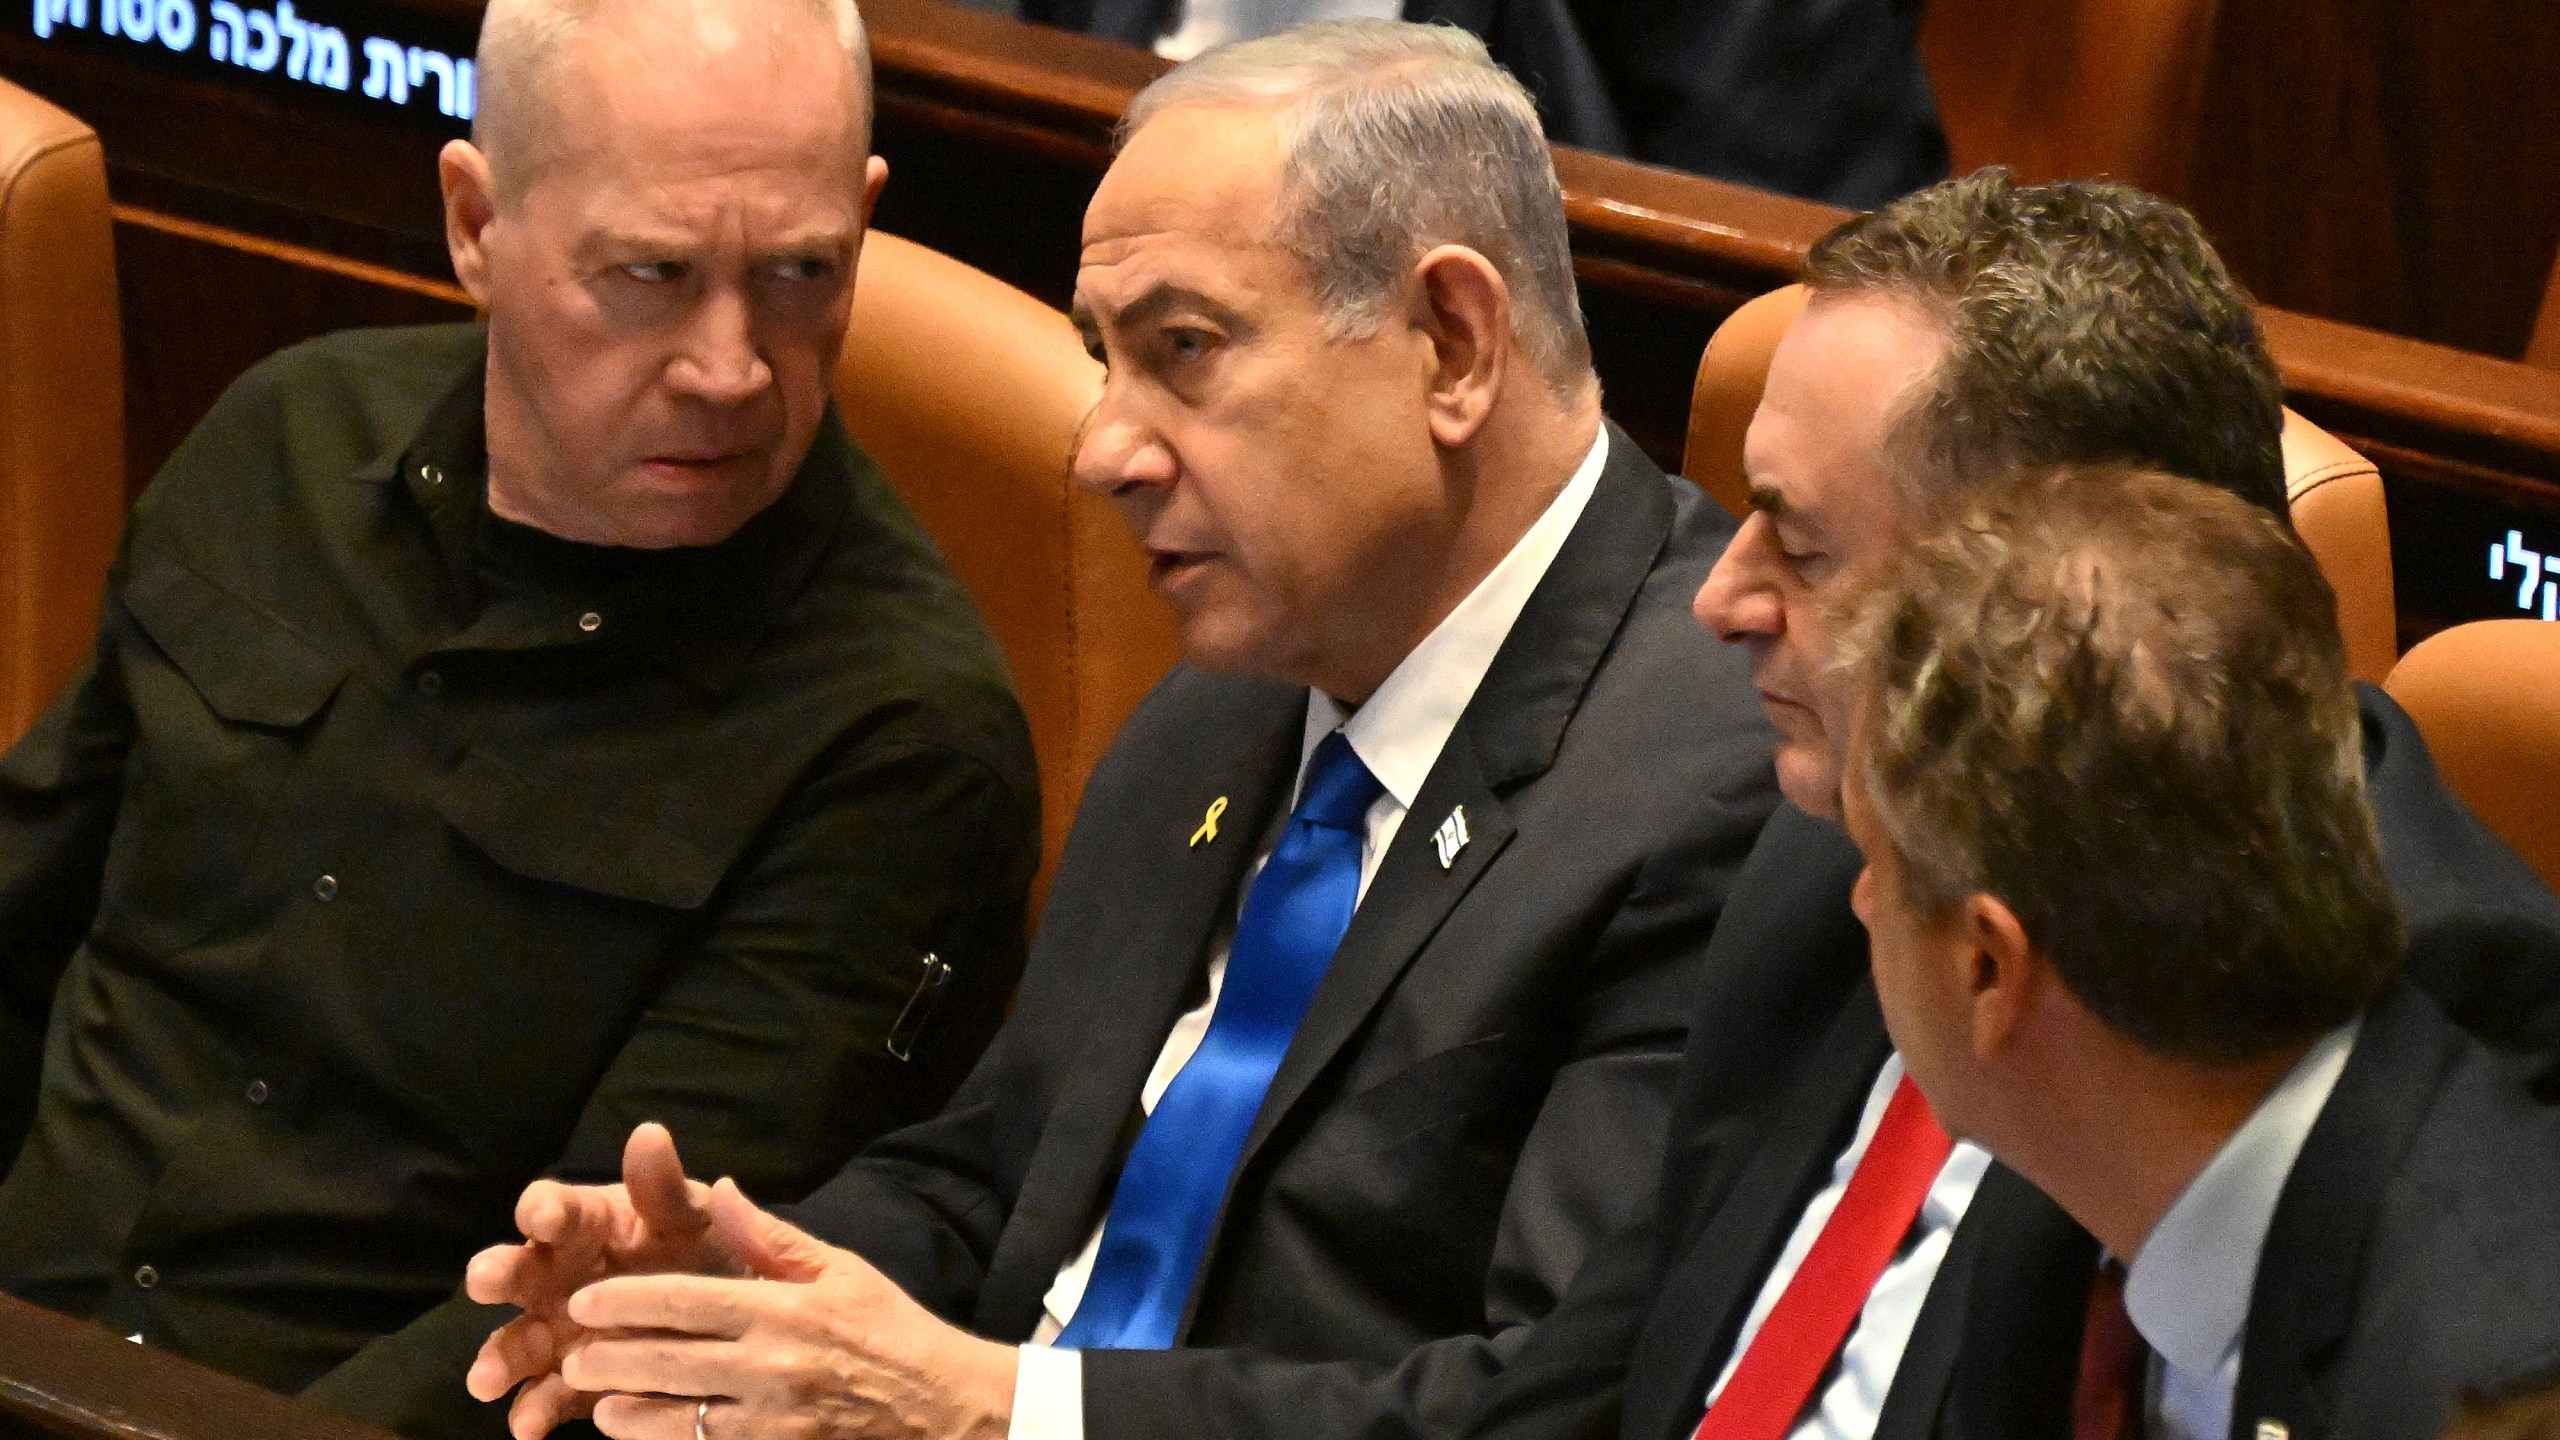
[1826, 99]
[2152, 963]
[1352, 1023]
[1973, 328]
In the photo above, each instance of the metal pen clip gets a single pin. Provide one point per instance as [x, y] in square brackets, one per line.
[929, 988]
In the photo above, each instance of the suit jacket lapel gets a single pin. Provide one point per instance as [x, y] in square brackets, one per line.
[1509, 733]
[1150, 980]
[1364, 971]
[1997, 1343]
[2304, 1293]
[1710, 1285]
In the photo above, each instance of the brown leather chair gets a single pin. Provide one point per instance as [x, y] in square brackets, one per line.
[969, 393]
[2056, 88]
[2336, 493]
[2336, 497]
[2487, 697]
[61, 401]
[1731, 376]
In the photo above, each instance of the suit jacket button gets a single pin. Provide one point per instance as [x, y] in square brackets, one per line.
[146, 1277]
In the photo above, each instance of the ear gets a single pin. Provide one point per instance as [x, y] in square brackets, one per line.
[470, 204]
[875, 174]
[1465, 311]
[2002, 974]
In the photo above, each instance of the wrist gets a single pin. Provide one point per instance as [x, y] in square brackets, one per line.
[990, 1372]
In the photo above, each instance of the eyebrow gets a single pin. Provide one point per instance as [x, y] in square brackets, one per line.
[1769, 500]
[801, 242]
[1159, 298]
[602, 243]
[605, 243]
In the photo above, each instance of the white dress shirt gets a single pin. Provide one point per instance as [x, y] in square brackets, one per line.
[1398, 734]
[1847, 1405]
[2188, 1291]
[1208, 23]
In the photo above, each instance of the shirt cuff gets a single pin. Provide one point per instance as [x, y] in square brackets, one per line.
[1048, 1395]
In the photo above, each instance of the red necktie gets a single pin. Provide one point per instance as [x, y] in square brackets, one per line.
[1804, 1329]
[2113, 1362]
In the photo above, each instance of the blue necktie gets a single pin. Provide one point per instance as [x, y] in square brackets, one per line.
[1176, 1178]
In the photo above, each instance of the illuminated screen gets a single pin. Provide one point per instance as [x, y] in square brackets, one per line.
[394, 63]
[2458, 556]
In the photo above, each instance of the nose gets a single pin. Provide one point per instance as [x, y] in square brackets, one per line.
[1119, 457]
[1739, 601]
[718, 359]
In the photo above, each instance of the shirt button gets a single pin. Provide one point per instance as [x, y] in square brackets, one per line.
[146, 1277]
[257, 1092]
[430, 682]
[591, 622]
[431, 474]
[326, 887]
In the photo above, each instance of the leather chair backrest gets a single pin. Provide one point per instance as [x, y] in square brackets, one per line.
[2336, 494]
[2071, 87]
[1731, 376]
[2487, 697]
[2336, 498]
[969, 393]
[61, 401]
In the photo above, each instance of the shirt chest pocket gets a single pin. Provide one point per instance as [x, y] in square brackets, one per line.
[544, 831]
[522, 938]
[225, 700]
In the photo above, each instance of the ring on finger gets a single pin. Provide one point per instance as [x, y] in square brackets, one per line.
[701, 1413]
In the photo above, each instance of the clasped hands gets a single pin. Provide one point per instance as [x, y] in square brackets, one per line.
[644, 1300]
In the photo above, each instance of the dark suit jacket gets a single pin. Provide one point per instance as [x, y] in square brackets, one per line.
[1821, 98]
[2414, 1257]
[1478, 1091]
[1784, 1045]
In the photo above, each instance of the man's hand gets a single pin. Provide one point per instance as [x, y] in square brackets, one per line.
[655, 1221]
[833, 1351]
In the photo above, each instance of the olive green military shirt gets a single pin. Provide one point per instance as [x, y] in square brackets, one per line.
[389, 856]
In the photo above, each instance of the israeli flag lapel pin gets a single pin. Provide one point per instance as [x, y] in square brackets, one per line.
[1451, 837]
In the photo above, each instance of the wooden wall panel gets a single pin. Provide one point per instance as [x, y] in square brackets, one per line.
[2388, 163]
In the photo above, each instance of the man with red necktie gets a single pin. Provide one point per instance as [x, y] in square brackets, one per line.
[2154, 966]
[1968, 330]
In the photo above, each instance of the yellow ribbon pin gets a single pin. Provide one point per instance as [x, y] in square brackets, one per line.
[1209, 823]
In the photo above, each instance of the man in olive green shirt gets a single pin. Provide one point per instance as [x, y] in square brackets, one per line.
[501, 736]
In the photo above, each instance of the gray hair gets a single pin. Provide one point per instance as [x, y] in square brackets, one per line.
[1400, 137]
[521, 42]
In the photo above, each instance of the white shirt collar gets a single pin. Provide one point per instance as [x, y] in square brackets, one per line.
[2188, 1290]
[1399, 732]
